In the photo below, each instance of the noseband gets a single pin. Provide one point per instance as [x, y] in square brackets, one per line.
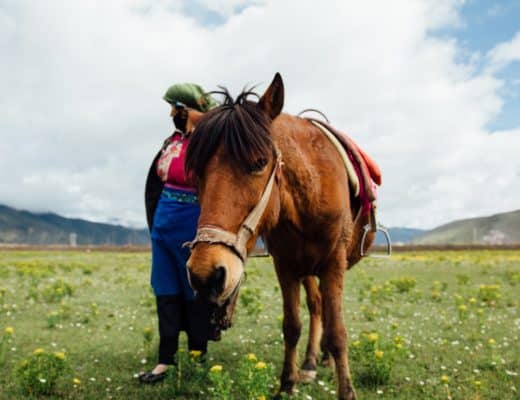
[238, 241]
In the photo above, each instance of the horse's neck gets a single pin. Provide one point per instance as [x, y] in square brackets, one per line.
[302, 185]
[314, 179]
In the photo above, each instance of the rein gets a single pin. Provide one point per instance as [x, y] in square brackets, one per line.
[238, 241]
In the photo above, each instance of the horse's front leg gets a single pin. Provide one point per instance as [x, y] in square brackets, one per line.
[335, 336]
[291, 331]
[308, 369]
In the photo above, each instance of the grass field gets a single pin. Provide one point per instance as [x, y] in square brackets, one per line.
[426, 325]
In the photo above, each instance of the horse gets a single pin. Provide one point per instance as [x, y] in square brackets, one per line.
[263, 172]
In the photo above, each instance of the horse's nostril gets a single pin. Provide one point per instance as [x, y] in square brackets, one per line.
[218, 281]
[194, 281]
[220, 274]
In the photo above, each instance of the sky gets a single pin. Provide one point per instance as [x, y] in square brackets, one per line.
[429, 88]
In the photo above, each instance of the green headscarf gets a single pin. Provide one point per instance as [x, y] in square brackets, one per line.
[191, 94]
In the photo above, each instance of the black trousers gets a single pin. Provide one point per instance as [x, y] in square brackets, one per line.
[176, 314]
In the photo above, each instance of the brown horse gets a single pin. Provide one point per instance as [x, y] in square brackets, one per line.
[302, 206]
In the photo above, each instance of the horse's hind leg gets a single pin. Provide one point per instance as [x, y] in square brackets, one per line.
[291, 332]
[335, 336]
[326, 359]
[308, 369]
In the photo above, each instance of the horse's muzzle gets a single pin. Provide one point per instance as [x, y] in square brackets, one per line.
[213, 287]
[214, 272]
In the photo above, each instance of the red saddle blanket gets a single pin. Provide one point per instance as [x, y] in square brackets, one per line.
[368, 171]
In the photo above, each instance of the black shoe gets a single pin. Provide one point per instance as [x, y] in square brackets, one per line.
[149, 377]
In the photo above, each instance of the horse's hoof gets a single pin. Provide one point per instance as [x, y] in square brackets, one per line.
[350, 395]
[307, 375]
[285, 391]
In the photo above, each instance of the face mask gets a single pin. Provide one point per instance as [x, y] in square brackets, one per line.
[181, 117]
[180, 120]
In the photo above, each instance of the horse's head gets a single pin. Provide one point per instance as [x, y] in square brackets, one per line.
[234, 162]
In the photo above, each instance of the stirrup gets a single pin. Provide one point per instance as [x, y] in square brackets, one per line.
[379, 228]
[374, 226]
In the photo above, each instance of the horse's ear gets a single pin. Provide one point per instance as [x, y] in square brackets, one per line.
[272, 100]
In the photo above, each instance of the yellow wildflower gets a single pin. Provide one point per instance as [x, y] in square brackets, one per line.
[260, 365]
[379, 354]
[492, 342]
[372, 337]
[261, 397]
[472, 300]
[251, 357]
[60, 355]
[477, 383]
[39, 351]
[216, 368]
[399, 345]
[147, 334]
[76, 381]
[357, 343]
[463, 307]
[9, 331]
[445, 379]
[195, 353]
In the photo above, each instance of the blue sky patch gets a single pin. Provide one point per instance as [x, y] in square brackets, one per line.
[484, 25]
[209, 18]
[487, 23]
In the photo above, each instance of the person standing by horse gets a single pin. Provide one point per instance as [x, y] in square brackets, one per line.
[172, 212]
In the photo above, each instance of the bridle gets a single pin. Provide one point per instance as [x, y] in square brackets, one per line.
[238, 241]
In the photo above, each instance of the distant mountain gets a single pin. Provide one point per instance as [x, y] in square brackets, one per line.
[23, 227]
[399, 235]
[501, 228]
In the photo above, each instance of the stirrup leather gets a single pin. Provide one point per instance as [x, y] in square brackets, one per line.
[374, 226]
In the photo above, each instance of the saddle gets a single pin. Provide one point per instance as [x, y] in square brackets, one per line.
[364, 174]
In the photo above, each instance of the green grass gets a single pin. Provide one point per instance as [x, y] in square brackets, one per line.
[417, 296]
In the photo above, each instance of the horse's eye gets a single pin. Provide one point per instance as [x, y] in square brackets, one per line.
[258, 165]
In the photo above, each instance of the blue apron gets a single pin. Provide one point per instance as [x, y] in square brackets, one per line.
[174, 223]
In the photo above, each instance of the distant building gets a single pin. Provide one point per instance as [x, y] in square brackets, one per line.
[73, 239]
[494, 236]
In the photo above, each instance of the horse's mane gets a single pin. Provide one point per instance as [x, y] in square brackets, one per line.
[240, 126]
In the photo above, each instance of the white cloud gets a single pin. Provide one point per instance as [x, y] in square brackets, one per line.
[503, 54]
[82, 82]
